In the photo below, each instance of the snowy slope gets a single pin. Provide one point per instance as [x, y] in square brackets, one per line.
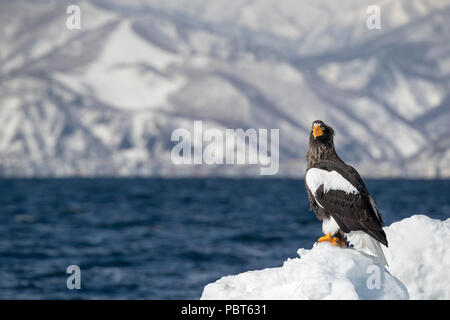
[320, 273]
[104, 99]
[418, 257]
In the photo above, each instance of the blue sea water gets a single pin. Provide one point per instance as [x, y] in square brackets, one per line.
[165, 238]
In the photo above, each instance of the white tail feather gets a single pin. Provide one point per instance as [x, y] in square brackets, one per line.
[365, 243]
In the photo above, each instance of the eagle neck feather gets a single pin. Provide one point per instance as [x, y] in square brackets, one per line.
[319, 152]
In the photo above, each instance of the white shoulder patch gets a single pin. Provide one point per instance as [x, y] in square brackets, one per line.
[331, 180]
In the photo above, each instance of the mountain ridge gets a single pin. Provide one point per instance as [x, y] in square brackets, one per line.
[104, 100]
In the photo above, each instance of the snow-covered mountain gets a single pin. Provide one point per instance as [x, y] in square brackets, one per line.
[104, 99]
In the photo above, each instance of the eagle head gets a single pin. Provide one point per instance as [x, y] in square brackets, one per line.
[321, 133]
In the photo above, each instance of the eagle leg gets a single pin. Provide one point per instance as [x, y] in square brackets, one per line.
[335, 241]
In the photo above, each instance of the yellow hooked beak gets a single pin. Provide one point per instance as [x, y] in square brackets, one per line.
[317, 131]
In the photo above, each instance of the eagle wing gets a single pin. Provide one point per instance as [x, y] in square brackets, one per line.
[339, 190]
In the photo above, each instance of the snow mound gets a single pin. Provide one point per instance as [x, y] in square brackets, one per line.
[418, 257]
[324, 272]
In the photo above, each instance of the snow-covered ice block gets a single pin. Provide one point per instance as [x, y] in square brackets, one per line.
[324, 272]
[418, 257]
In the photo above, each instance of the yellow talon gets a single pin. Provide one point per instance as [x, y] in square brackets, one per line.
[335, 241]
[338, 242]
[327, 237]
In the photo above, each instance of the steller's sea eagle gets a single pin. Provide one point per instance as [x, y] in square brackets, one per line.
[339, 197]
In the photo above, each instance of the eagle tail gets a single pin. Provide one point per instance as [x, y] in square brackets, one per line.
[378, 250]
[366, 243]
